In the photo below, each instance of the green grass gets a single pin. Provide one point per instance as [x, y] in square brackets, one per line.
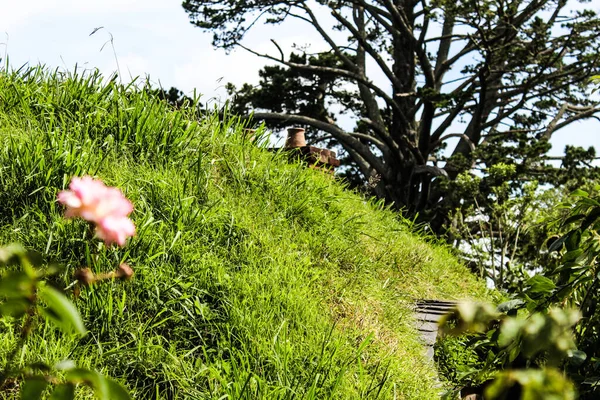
[255, 278]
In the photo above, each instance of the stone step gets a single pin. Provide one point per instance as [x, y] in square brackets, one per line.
[428, 314]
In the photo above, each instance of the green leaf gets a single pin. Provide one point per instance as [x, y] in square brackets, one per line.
[8, 253]
[514, 353]
[580, 193]
[589, 202]
[116, 391]
[85, 376]
[17, 284]
[14, 307]
[104, 388]
[61, 311]
[572, 255]
[35, 258]
[591, 218]
[533, 383]
[557, 244]
[573, 218]
[64, 391]
[539, 284]
[90, 378]
[573, 239]
[39, 366]
[510, 305]
[33, 388]
[509, 331]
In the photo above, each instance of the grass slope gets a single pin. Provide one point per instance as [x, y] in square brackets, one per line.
[254, 278]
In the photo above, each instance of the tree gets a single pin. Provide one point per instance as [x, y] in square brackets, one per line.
[507, 240]
[501, 76]
[175, 97]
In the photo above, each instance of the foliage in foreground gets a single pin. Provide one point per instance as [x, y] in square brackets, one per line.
[546, 338]
[28, 296]
[254, 278]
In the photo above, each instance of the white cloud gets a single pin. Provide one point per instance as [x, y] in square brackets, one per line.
[209, 70]
[16, 13]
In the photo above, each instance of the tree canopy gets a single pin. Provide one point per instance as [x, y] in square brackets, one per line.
[499, 76]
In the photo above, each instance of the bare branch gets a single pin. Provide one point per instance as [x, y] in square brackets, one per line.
[369, 49]
[456, 110]
[328, 39]
[367, 96]
[435, 171]
[375, 11]
[552, 125]
[380, 145]
[341, 72]
[279, 49]
[425, 28]
[451, 135]
[584, 114]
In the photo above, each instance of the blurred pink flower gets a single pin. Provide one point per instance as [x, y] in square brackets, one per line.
[105, 206]
[115, 229]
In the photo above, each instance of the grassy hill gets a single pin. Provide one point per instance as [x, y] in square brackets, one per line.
[255, 278]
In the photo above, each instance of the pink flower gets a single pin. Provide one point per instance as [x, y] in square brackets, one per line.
[105, 206]
[92, 200]
[115, 230]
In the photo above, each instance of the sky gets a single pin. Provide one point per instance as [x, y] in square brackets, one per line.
[154, 38]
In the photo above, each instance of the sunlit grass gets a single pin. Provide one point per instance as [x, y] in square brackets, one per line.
[254, 278]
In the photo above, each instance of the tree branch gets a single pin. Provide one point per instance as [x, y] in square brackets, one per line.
[328, 39]
[424, 28]
[421, 54]
[360, 36]
[342, 136]
[456, 110]
[380, 145]
[367, 96]
[451, 135]
[341, 72]
[584, 114]
[444, 49]
[435, 171]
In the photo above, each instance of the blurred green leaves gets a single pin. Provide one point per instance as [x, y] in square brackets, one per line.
[33, 387]
[23, 294]
[531, 384]
[104, 388]
[60, 311]
[546, 338]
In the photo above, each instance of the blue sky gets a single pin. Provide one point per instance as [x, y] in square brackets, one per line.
[155, 38]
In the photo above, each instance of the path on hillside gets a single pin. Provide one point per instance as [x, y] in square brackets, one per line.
[428, 314]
